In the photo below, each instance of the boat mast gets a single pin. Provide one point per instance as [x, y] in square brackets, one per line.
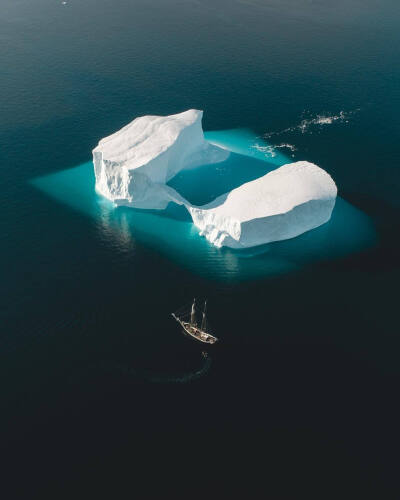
[203, 321]
[193, 314]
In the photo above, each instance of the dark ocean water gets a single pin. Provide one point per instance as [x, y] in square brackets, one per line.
[100, 391]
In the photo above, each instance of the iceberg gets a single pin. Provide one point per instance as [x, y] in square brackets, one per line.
[133, 165]
[132, 168]
[282, 204]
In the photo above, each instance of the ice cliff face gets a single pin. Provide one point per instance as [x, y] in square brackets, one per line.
[284, 203]
[133, 166]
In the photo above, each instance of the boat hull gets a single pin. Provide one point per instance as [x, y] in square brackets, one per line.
[198, 334]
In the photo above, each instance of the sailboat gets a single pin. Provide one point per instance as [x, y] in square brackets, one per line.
[190, 326]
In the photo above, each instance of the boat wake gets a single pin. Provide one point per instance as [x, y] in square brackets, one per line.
[160, 378]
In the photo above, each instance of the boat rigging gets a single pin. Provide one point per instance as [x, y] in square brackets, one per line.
[190, 326]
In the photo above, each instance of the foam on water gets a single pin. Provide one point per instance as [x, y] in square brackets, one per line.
[314, 121]
[173, 234]
[245, 142]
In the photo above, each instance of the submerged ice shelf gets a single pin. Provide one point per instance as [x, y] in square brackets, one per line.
[127, 230]
[132, 168]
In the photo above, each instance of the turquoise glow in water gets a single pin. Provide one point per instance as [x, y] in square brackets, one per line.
[307, 363]
[244, 142]
[173, 234]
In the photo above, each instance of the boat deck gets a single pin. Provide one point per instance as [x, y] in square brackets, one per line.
[198, 334]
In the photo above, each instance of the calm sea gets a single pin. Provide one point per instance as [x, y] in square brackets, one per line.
[100, 391]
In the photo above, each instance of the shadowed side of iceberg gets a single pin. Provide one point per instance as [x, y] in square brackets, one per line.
[150, 195]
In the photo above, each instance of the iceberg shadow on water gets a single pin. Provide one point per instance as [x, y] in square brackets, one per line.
[172, 233]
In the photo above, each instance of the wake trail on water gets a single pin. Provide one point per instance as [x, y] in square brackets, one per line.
[159, 378]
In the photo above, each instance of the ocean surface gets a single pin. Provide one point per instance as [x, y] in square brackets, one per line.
[100, 390]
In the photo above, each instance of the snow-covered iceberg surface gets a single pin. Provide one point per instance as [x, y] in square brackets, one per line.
[280, 205]
[133, 166]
